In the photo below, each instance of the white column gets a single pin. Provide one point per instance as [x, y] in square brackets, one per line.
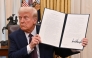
[75, 6]
[0, 21]
[16, 6]
[3, 19]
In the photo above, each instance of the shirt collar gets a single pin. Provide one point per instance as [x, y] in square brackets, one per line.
[33, 32]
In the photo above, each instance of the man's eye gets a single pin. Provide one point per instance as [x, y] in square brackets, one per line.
[25, 17]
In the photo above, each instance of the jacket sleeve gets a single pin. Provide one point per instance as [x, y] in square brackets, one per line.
[14, 52]
[63, 52]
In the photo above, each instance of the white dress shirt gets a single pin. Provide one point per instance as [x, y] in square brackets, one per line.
[29, 50]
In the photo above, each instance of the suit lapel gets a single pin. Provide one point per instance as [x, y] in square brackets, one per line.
[22, 38]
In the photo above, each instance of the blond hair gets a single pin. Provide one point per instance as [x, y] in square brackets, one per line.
[32, 11]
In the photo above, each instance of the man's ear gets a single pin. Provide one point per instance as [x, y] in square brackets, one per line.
[35, 20]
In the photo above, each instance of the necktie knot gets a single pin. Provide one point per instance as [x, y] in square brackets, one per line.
[30, 37]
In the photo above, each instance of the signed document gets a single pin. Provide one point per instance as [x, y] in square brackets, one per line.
[63, 30]
[75, 31]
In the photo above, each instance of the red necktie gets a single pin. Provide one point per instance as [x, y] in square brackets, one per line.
[34, 52]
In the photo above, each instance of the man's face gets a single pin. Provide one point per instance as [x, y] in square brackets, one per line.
[26, 21]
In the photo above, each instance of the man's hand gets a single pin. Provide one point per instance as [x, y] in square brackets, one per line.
[84, 42]
[35, 41]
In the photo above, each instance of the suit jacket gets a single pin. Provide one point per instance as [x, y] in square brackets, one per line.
[18, 49]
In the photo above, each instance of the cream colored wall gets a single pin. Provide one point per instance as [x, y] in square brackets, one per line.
[84, 7]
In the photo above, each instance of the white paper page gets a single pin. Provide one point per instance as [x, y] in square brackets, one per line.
[51, 27]
[74, 31]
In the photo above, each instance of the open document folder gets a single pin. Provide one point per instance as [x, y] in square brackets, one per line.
[63, 30]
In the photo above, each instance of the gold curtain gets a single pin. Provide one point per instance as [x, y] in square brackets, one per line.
[58, 5]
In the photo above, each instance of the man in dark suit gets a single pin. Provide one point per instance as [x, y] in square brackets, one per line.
[20, 47]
